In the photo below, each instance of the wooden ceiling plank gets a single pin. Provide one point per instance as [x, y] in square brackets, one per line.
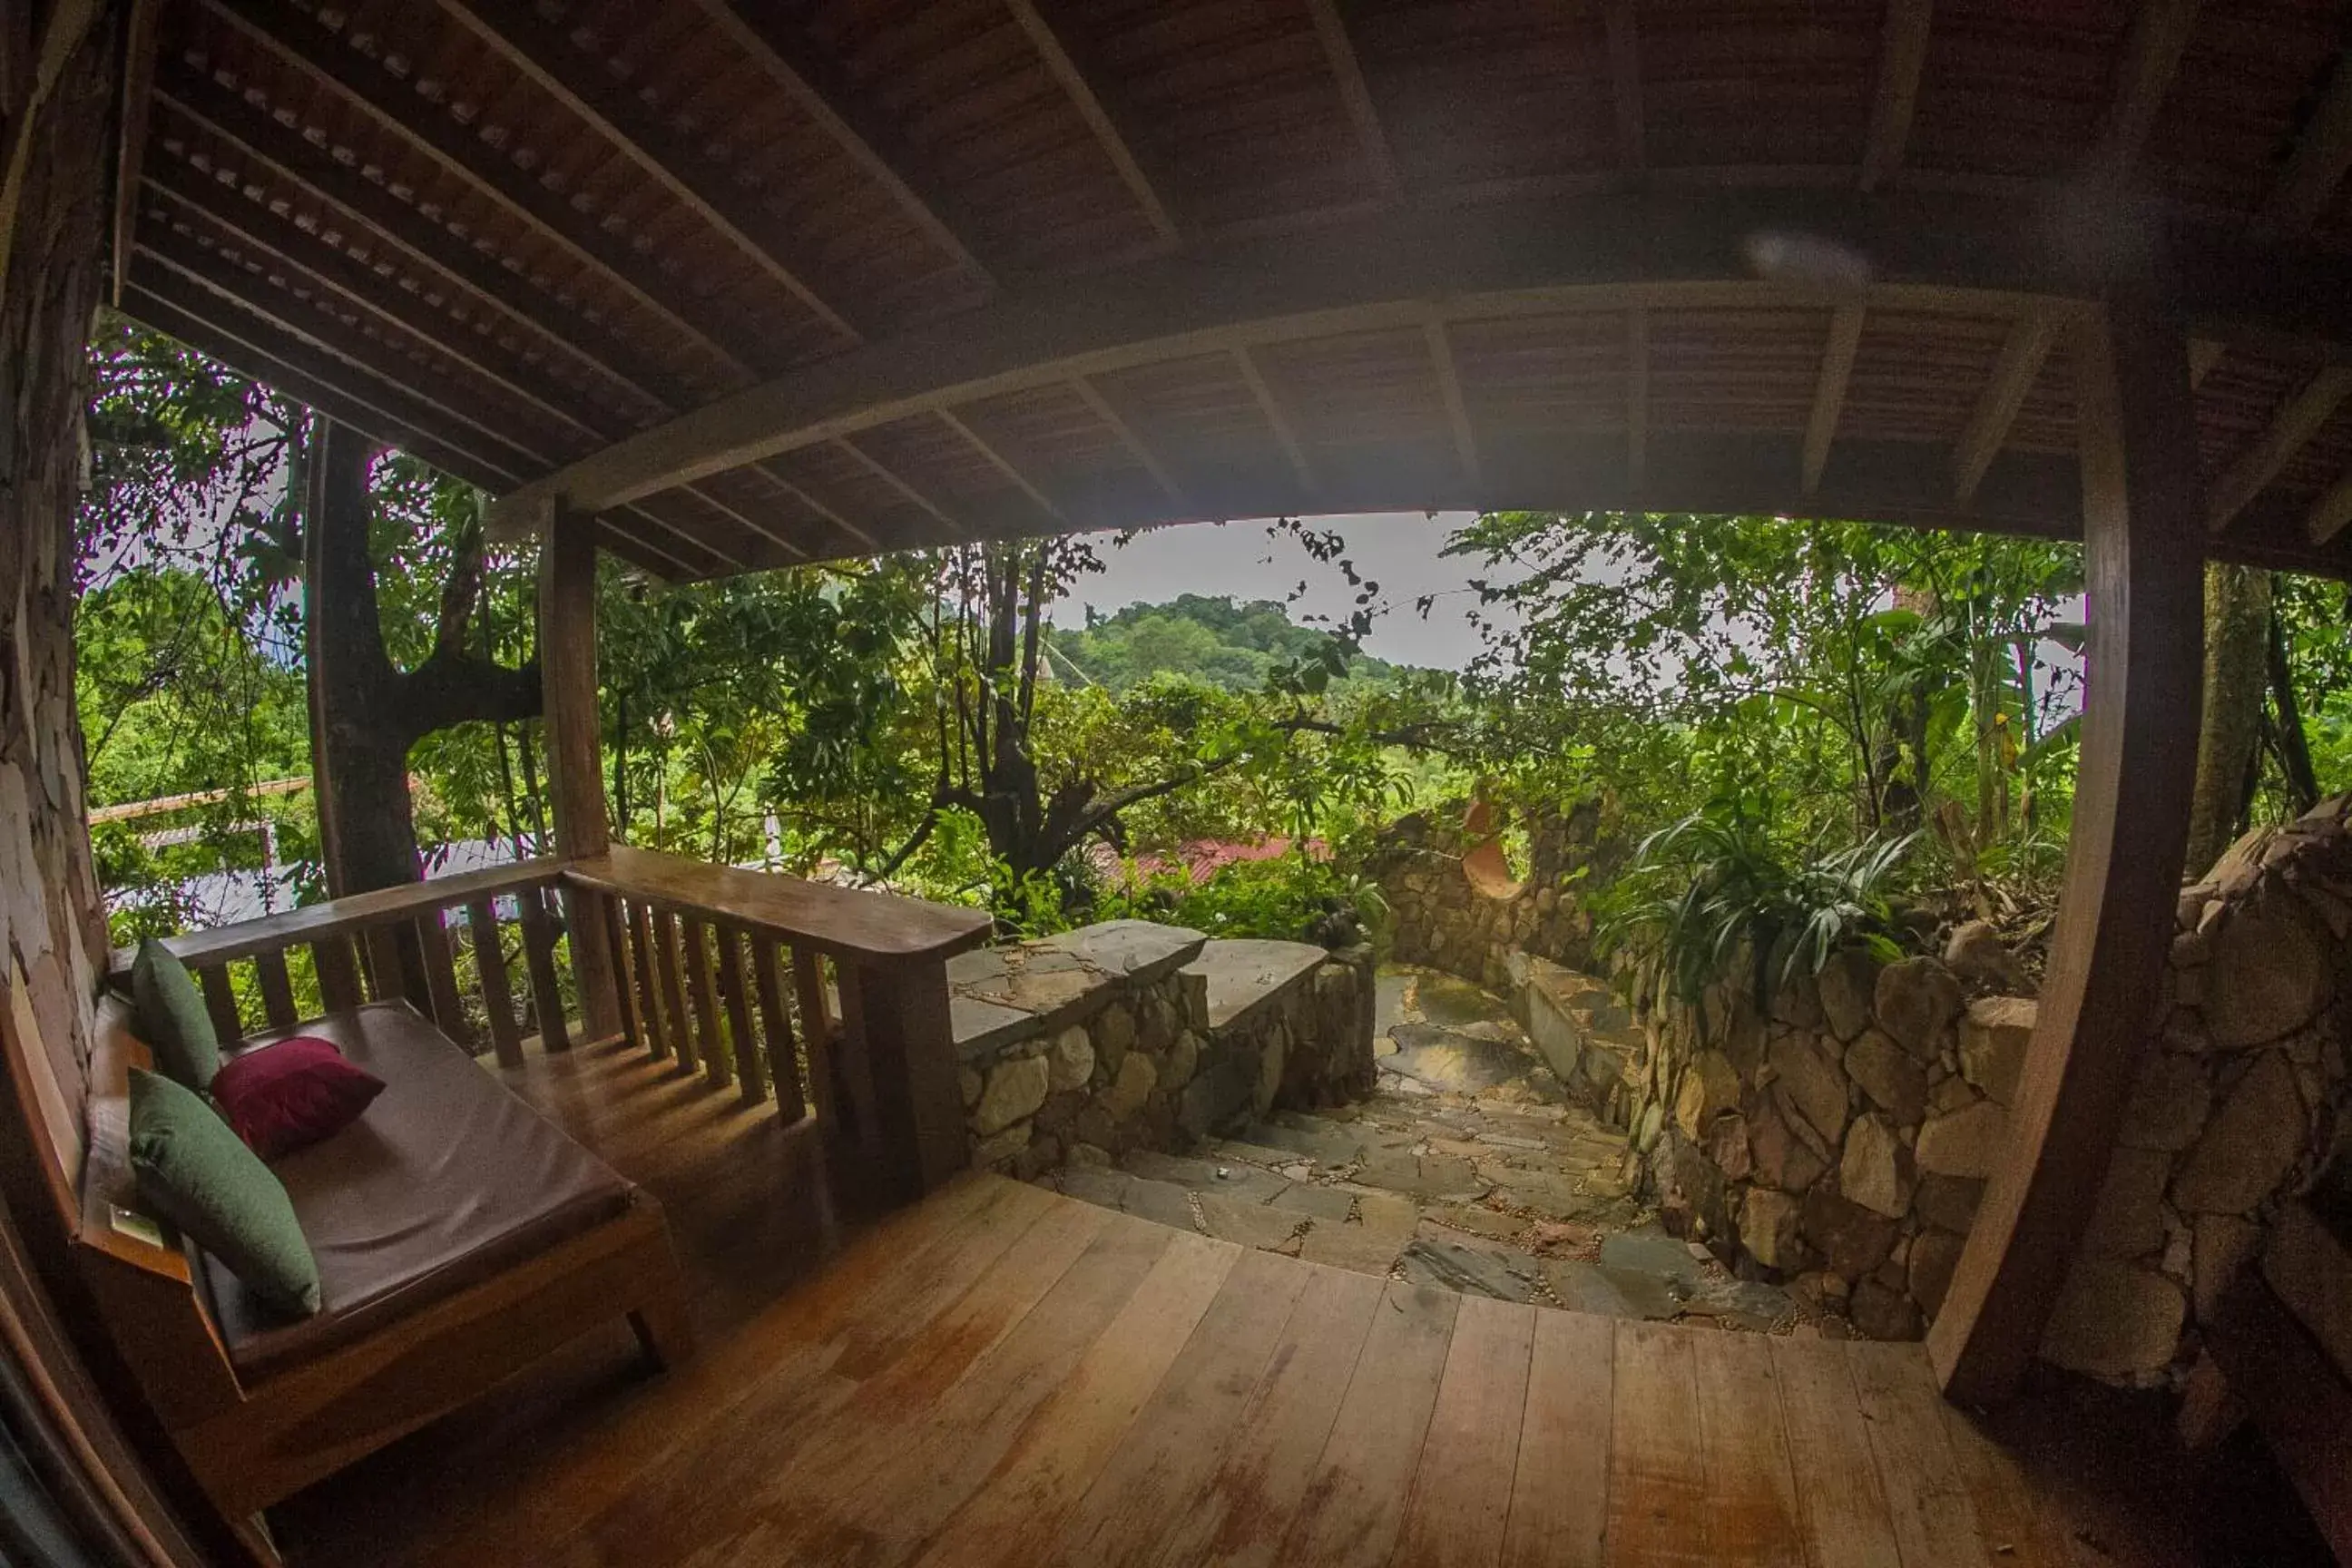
[1637, 399]
[2322, 155]
[130, 145]
[1449, 389]
[1065, 72]
[1348, 72]
[303, 42]
[2204, 353]
[815, 503]
[813, 78]
[585, 85]
[1294, 450]
[705, 496]
[1134, 445]
[634, 547]
[898, 481]
[2013, 373]
[2151, 60]
[998, 460]
[2330, 513]
[1828, 392]
[390, 223]
[1902, 60]
[2296, 422]
[1624, 40]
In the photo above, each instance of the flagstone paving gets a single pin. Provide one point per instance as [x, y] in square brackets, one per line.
[1468, 1168]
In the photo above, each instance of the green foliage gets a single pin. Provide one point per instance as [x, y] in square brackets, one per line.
[1237, 647]
[1294, 897]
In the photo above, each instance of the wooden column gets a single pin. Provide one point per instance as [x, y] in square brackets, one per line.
[567, 667]
[2143, 545]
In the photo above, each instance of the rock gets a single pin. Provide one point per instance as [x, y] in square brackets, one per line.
[1895, 1084]
[2169, 1104]
[1646, 1124]
[2220, 1245]
[1934, 1255]
[1727, 1146]
[1976, 954]
[1710, 1087]
[1088, 1154]
[1184, 1057]
[1853, 1240]
[969, 1084]
[1883, 1312]
[1003, 1145]
[1951, 1092]
[2249, 1146]
[1016, 1088]
[1781, 1159]
[1994, 1034]
[1114, 1036]
[1768, 1228]
[1506, 1275]
[2128, 1219]
[1814, 1083]
[1915, 998]
[1070, 1059]
[1965, 1143]
[2269, 976]
[1059, 1114]
[1877, 1171]
[1846, 984]
[2189, 913]
[1272, 1052]
[2190, 951]
[1799, 1004]
[1125, 1097]
[1947, 1201]
[2234, 874]
[2113, 1320]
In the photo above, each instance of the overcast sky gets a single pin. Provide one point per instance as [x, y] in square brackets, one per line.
[1397, 550]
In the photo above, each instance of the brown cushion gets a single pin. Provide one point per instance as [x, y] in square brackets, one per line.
[447, 1180]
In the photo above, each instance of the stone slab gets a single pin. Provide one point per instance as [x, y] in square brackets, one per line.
[1244, 1181]
[983, 1028]
[1499, 1272]
[1330, 1205]
[1243, 975]
[1138, 952]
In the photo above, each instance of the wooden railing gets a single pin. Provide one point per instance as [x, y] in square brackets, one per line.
[822, 1000]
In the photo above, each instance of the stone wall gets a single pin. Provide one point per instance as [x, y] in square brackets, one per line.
[1130, 1035]
[1444, 918]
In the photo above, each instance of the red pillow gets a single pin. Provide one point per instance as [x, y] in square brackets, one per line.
[284, 1097]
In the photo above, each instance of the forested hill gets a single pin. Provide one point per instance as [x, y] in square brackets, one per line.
[1209, 638]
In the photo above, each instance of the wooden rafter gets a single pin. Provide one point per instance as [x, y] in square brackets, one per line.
[1829, 392]
[1449, 388]
[1116, 145]
[303, 42]
[1625, 39]
[1902, 60]
[810, 76]
[1637, 399]
[2330, 513]
[816, 504]
[999, 461]
[130, 147]
[2204, 353]
[897, 481]
[584, 84]
[2158, 38]
[2290, 429]
[745, 520]
[2022, 353]
[2322, 153]
[1348, 72]
[1136, 445]
[1277, 418]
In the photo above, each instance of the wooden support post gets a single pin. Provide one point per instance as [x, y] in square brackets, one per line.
[2143, 531]
[567, 662]
[900, 1015]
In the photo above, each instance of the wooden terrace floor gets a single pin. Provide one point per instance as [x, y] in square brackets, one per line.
[1003, 1375]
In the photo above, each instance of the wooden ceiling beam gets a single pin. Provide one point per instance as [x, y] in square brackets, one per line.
[325, 57]
[1637, 399]
[1449, 389]
[2152, 51]
[2289, 431]
[1134, 445]
[1902, 60]
[585, 84]
[1624, 37]
[999, 461]
[2204, 353]
[2322, 155]
[1356, 94]
[1277, 418]
[1828, 392]
[2330, 512]
[2013, 373]
[1116, 145]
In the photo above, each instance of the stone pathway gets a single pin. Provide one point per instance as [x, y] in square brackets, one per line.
[1469, 1167]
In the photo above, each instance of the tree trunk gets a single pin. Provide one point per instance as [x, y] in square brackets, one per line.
[2294, 744]
[2237, 672]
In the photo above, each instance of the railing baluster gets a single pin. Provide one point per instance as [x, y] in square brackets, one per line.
[647, 971]
[706, 1033]
[388, 975]
[276, 988]
[497, 996]
[441, 978]
[776, 1027]
[751, 1067]
[220, 1003]
[673, 988]
[339, 974]
[624, 988]
[546, 990]
[836, 1122]
[853, 1070]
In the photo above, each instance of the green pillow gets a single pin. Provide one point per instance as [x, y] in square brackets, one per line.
[195, 1171]
[172, 1017]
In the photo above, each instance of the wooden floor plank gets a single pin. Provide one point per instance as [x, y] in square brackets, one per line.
[1356, 1501]
[1935, 1526]
[1462, 1492]
[1559, 1491]
[1065, 1443]
[1843, 1507]
[1238, 1521]
[1751, 1492]
[2017, 1531]
[1175, 1443]
[1658, 1511]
